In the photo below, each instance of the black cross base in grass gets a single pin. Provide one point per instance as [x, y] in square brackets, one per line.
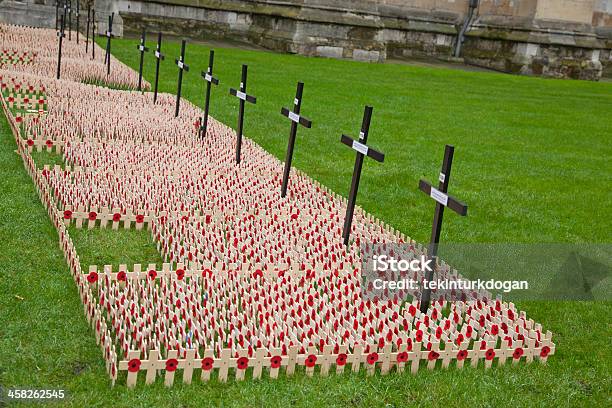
[180, 63]
[142, 48]
[362, 150]
[296, 119]
[60, 36]
[159, 57]
[244, 97]
[210, 80]
[442, 200]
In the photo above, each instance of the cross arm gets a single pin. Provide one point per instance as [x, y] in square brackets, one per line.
[243, 96]
[296, 118]
[363, 149]
[181, 64]
[443, 198]
[209, 78]
[142, 48]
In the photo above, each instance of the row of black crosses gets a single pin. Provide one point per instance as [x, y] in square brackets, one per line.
[439, 194]
[60, 26]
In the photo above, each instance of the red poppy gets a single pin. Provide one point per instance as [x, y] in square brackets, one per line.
[490, 354]
[30, 142]
[462, 355]
[545, 351]
[134, 365]
[139, 218]
[116, 217]
[171, 364]
[207, 363]
[180, 274]
[121, 276]
[402, 357]
[341, 359]
[92, 216]
[518, 353]
[49, 143]
[311, 360]
[242, 363]
[92, 277]
[152, 274]
[275, 361]
[67, 214]
[419, 335]
[432, 355]
[372, 358]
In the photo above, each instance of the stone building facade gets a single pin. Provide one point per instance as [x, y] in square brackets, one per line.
[556, 38]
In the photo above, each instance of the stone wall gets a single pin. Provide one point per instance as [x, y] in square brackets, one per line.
[559, 38]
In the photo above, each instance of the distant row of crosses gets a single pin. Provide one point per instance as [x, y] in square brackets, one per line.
[60, 26]
[440, 195]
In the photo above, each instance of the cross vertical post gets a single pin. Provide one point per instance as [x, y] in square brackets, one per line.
[442, 200]
[362, 150]
[77, 20]
[69, 20]
[60, 35]
[93, 34]
[109, 34]
[295, 120]
[56, 15]
[244, 97]
[87, 31]
[141, 47]
[180, 62]
[210, 80]
[159, 56]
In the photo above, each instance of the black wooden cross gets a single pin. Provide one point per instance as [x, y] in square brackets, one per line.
[77, 18]
[141, 47]
[210, 80]
[69, 20]
[244, 97]
[60, 35]
[180, 62]
[295, 120]
[87, 31]
[93, 34]
[362, 150]
[109, 35]
[159, 56]
[442, 200]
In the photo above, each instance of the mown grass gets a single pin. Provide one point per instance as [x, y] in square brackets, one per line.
[44, 338]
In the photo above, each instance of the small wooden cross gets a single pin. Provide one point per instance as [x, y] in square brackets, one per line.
[244, 97]
[77, 20]
[210, 80]
[362, 150]
[69, 20]
[295, 120]
[159, 56]
[442, 200]
[60, 35]
[142, 48]
[180, 62]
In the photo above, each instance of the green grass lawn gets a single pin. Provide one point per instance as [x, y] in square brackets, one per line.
[530, 160]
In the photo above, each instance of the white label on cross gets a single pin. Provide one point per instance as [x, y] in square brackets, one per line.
[439, 196]
[141, 48]
[361, 135]
[157, 54]
[296, 101]
[241, 95]
[294, 117]
[442, 177]
[180, 64]
[360, 147]
[108, 33]
[208, 77]
[241, 85]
